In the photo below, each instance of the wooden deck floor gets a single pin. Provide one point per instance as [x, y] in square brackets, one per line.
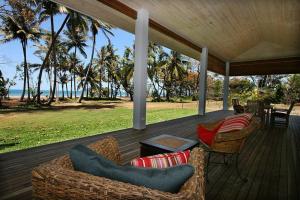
[270, 159]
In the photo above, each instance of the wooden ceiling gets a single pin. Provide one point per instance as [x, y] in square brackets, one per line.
[235, 31]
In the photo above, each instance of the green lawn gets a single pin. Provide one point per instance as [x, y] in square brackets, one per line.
[35, 128]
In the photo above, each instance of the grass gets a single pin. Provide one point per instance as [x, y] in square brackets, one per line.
[35, 128]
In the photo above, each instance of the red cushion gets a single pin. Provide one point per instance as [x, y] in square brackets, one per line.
[206, 135]
[162, 160]
[235, 122]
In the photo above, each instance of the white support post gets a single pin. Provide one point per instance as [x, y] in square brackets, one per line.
[140, 69]
[226, 87]
[202, 81]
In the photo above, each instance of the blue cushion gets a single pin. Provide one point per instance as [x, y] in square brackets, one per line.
[168, 179]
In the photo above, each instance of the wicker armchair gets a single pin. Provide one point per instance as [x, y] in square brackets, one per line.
[229, 143]
[58, 180]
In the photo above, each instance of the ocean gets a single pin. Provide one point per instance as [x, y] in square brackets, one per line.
[18, 93]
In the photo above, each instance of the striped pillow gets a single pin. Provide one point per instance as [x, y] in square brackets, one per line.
[162, 160]
[235, 122]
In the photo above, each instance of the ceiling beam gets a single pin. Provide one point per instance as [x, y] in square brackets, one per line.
[266, 67]
[215, 64]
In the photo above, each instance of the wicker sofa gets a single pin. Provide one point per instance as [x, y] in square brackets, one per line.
[58, 180]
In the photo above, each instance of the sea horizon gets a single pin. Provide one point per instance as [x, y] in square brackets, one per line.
[18, 93]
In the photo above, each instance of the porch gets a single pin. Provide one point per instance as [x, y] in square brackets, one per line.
[271, 156]
[270, 159]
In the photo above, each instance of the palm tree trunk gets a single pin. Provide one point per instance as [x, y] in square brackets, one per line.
[131, 96]
[88, 70]
[54, 61]
[62, 90]
[47, 58]
[100, 83]
[87, 90]
[111, 90]
[26, 73]
[24, 85]
[57, 91]
[28, 85]
[67, 90]
[50, 82]
[74, 75]
[71, 95]
[74, 79]
[108, 83]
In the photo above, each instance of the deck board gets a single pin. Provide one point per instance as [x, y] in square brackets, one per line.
[270, 160]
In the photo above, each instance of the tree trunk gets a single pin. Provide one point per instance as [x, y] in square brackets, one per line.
[74, 75]
[87, 90]
[54, 62]
[50, 82]
[88, 70]
[67, 90]
[57, 92]
[168, 95]
[108, 83]
[71, 95]
[62, 90]
[131, 96]
[26, 73]
[47, 58]
[28, 85]
[74, 79]
[24, 84]
[111, 89]
[100, 83]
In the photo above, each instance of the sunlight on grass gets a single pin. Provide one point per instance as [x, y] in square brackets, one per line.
[29, 129]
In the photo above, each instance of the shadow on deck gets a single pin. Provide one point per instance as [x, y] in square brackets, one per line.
[270, 159]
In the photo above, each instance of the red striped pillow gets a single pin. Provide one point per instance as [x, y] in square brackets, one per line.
[162, 160]
[235, 122]
[246, 115]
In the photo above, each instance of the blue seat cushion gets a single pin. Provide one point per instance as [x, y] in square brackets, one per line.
[167, 180]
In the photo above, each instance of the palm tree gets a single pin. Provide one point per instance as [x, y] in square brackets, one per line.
[20, 24]
[77, 41]
[62, 65]
[74, 62]
[101, 63]
[127, 72]
[91, 80]
[49, 10]
[95, 25]
[77, 28]
[156, 60]
[112, 70]
[173, 70]
[42, 49]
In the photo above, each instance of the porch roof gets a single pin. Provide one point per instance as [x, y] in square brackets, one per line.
[240, 31]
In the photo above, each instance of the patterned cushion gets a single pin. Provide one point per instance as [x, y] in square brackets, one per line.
[235, 122]
[162, 160]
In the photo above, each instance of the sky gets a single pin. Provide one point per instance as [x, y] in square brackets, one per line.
[11, 53]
